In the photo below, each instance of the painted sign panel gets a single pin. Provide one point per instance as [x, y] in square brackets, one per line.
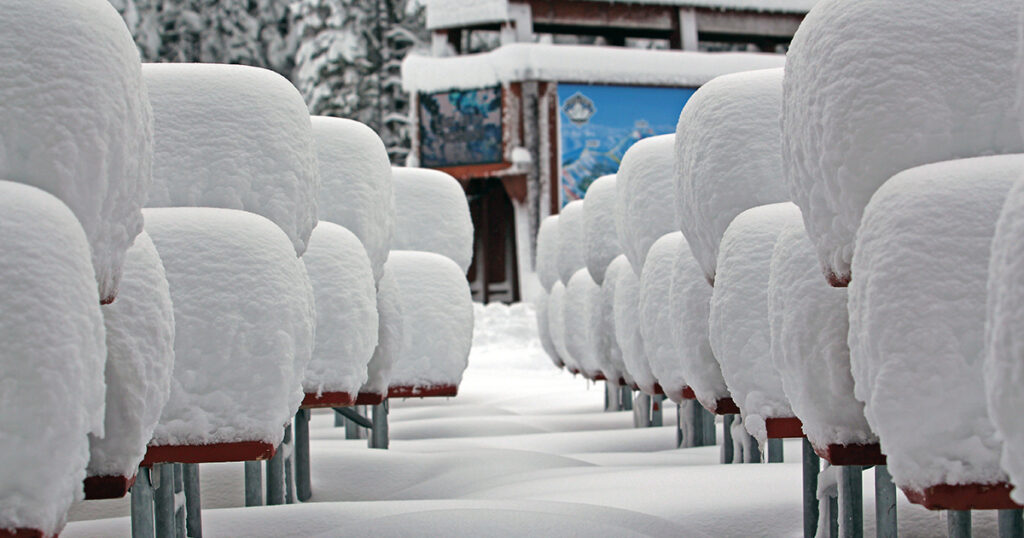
[599, 123]
[460, 128]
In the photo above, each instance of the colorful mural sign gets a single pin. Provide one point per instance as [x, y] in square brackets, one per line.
[599, 123]
[460, 128]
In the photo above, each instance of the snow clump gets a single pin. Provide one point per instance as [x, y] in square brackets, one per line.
[432, 215]
[599, 235]
[643, 211]
[656, 322]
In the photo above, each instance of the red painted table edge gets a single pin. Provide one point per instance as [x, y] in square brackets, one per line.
[370, 398]
[328, 399]
[211, 453]
[784, 428]
[852, 454]
[107, 486]
[964, 497]
[725, 406]
[24, 533]
[688, 393]
[434, 391]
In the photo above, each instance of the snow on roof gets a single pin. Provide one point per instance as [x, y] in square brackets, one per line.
[576, 63]
[460, 13]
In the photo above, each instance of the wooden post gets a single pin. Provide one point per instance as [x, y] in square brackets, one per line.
[193, 503]
[289, 466]
[811, 468]
[1010, 524]
[775, 451]
[958, 523]
[275, 478]
[254, 483]
[143, 524]
[303, 482]
[851, 502]
[885, 504]
[379, 433]
[163, 501]
[727, 448]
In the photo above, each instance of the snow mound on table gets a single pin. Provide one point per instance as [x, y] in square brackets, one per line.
[547, 252]
[656, 322]
[244, 322]
[355, 184]
[740, 325]
[643, 212]
[612, 350]
[390, 335]
[728, 157]
[346, 310]
[809, 327]
[556, 326]
[76, 119]
[234, 137]
[917, 319]
[140, 359]
[432, 215]
[690, 300]
[571, 246]
[854, 113]
[627, 329]
[51, 336]
[600, 238]
[1002, 335]
[544, 328]
[505, 338]
[437, 321]
[581, 338]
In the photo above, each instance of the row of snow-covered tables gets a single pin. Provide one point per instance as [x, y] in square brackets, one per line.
[250, 261]
[840, 260]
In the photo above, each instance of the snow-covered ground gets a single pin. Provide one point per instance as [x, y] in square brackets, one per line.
[523, 450]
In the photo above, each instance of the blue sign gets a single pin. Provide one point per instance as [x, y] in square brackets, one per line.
[460, 128]
[599, 123]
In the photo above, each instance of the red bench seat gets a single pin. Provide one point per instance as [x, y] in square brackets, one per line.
[434, 391]
[212, 453]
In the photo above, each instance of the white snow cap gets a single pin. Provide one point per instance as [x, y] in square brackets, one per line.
[585, 64]
[917, 319]
[437, 320]
[656, 322]
[234, 137]
[1002, 335]
[556, 326]
[355, 184]
[854, 114]
[612, 351]
[140, 359]
[244, 323]
[581, 322]
[547, 252]
[600, 238]
[809, 327]
[544, 329]
[390, 335]
[432, 215]
[728, 157]
[570, 241]
[52, 344]
[627, 329]
[740, 325]
[346, 311]
[643, 208]
[690, 300]
[76, 120]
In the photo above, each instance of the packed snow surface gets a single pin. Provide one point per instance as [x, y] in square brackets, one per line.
[657, 324]
[556, 326]
[547, 252]
[917, 319]
[244, 321]
[855, 113]
[613, 352]
[140, 359]
[582, 322]
[733, 115]
[52, 342]
[809, 327]
[585, 64]
[740, 325]
[571, 247]
[600, 238]
[690, 301]
[1002, 335]
[437, 319]
[233, 137]
[390, 335]
[76, 119]
[355, 184]
[627, 329]
[346, 311]
[544, 329]
[432, 215]
[643, 210]
[506, 337]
